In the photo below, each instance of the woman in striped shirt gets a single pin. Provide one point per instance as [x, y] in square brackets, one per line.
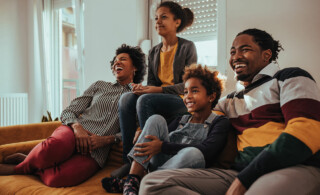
[79, 148]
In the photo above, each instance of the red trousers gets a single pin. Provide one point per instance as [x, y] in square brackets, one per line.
[56, 162]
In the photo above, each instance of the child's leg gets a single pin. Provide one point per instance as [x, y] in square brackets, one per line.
[156, 125]
[55, 149]
[72, 172]
[189, 157]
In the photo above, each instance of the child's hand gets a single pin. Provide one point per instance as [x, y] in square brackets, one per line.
[148, 148]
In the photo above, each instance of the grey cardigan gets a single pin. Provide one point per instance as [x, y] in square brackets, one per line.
[186, 54]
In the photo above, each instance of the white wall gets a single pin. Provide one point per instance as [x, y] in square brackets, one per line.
[13, 46]
[295, 23]
[108, 24]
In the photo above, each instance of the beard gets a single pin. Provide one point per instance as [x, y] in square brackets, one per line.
[241, 77]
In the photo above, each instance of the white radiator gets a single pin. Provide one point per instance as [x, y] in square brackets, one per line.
[13, 109]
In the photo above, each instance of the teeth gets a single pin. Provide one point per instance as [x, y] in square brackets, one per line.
[190, 104]
[239, 66]
[119, 68]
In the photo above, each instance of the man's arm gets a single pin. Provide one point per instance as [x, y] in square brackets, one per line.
[300, 105]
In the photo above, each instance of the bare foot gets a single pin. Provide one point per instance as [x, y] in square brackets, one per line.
[6, 169]
[15, 158]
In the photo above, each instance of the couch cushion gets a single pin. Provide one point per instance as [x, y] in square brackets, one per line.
[20, 133]
[21, 147]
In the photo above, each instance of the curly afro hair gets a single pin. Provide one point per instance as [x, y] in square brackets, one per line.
[138, 59]
[209, 79]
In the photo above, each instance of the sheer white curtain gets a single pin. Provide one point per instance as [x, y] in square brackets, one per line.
[47, 39]
[79, 7]
[44, 39]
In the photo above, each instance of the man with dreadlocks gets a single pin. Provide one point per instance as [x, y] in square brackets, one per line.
[277, 118]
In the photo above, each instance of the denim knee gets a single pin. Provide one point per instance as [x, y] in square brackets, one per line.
[127, 99]
[144, 98]
[157, 120]
[191, 152]
[189, 157]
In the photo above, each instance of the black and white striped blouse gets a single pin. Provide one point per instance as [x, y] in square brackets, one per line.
[97, 111]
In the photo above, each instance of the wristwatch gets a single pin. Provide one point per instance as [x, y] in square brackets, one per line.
[116, 139]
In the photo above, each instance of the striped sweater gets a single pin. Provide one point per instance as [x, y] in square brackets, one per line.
[97, 111]
[277, 118]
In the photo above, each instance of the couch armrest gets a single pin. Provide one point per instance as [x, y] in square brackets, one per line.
[21, 147]
[28, 132]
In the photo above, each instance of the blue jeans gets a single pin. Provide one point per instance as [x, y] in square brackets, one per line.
[189, 157]
[132, 106]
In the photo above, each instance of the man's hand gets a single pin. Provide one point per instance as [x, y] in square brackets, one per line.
[236, 188]
[82, 136]
[148, 148]
[146, 89]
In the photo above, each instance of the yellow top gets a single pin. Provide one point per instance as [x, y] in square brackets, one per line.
[165, 69]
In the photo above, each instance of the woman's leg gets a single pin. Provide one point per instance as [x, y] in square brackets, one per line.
[128, 121]
[189, 157]
[128, 126]
[72, 172]
[166, 105]
[54, 150]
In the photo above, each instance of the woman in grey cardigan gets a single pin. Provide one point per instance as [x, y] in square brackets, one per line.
[167, 61]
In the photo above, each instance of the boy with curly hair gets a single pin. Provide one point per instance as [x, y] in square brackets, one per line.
[190, 141]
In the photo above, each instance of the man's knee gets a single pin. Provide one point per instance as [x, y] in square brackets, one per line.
[153, 182]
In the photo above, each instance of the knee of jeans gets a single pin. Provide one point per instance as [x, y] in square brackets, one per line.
[191, 152]
[143, 101]
[156, 119]
[126, 99]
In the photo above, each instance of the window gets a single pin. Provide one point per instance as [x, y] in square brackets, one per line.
[69, 56]
[207, 31]
[67, 52]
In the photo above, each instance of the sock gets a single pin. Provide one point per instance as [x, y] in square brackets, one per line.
[113, 184]
[122, 171]
[15, 158]
[131, 185]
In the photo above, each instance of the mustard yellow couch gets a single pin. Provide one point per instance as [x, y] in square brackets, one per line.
[22, 138]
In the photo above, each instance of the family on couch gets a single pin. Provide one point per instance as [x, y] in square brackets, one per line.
[275, 114]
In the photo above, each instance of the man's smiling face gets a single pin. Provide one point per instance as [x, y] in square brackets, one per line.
[246, 58]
